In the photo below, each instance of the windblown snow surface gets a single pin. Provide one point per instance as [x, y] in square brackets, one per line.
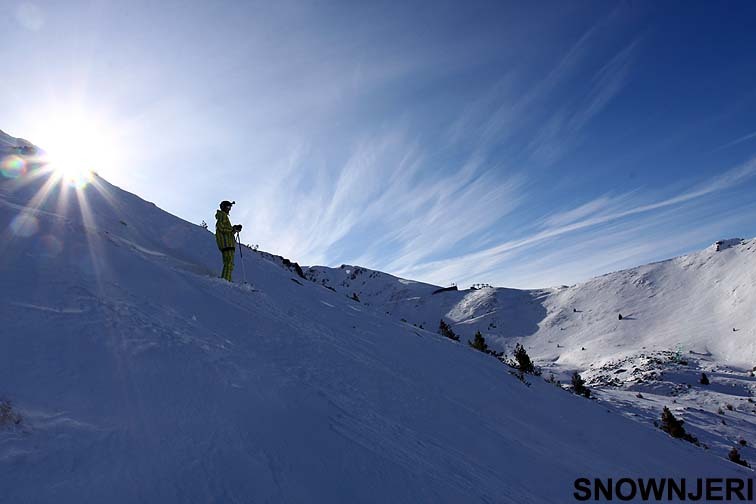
[141, 377]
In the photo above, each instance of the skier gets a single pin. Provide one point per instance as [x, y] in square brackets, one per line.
[224, 237]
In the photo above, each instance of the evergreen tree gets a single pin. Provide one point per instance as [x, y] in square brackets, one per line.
[524, 364]
[578, 385]
[479, 343]
[704, 379]
[445, 330]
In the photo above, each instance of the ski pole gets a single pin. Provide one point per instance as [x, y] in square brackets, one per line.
[241, 257]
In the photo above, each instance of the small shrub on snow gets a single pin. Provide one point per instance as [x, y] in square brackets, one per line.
[674, 427]
[8, 416]
[734, 456]
[578, 385]
[704, 379]
[552, 379]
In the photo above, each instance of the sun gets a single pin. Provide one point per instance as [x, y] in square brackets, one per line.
[76, 146]
[70, 164]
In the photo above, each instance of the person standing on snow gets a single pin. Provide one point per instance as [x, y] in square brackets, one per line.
[224, 237]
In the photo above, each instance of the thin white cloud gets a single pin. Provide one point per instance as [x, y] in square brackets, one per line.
[486, 261]
[580, 212]
[607, 83]
[387, 194]
[562, 130]
[736, 142]
[609, 250]
[514, 104]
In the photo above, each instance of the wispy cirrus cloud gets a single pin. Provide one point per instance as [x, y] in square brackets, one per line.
[563, 129]
[385, 193]
[445, 213]
[439, 211]
[584, 228]
[517, 104]
[736, 142]
[585, 210]
[616, 247]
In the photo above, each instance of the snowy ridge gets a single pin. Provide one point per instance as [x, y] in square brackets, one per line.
[692, 302]
[141, 377]
[9, 144]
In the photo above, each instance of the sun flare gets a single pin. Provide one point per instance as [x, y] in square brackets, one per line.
[76, 146]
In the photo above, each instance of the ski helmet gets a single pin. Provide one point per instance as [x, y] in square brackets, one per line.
[227, 204]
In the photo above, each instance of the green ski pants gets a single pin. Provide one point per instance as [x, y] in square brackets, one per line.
[228, 263]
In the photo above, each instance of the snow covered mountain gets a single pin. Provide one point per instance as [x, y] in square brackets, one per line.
[693, 302]
[498, 312]
[680, 317]
[136, 375]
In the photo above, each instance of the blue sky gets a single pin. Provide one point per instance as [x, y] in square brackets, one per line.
[523, 144]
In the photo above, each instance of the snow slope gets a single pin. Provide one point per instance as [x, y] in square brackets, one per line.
[691, 303]
[140, 377]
